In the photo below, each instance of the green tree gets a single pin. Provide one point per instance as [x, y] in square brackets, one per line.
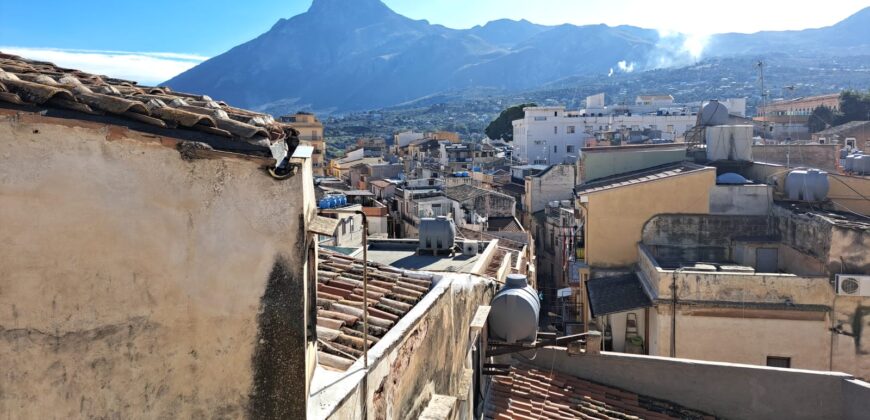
[821, 118]
[854, 106]
[502, 127]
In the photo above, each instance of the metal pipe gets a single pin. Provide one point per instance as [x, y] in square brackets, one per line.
[365, 227]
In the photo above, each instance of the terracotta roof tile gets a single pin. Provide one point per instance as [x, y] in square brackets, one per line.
[392, 293]
[529, 393]
[31, 85]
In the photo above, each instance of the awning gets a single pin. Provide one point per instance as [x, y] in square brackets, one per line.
[614, 294]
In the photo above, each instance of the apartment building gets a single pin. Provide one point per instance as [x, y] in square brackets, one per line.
[311, 133]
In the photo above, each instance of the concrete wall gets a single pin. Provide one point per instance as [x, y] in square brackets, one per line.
[724, 390]
[701, 237]
[557, 183]
[134, 283]
[754, 199]
[744, 336]
[617, 160]
[822, 156]
[615, 218]
[424, 354]
[846, 193]
[840, 248]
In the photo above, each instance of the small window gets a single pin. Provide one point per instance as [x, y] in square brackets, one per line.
[540, 118]
[778, 361]
[571, 129]
[556, 130]
[555, 149]
[570, 149]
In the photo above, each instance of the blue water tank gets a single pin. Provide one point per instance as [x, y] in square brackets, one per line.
[731, 178]
[514, 312]
[323, 203]
[341, 200]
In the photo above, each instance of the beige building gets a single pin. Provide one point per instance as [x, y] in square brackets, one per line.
[311, 133]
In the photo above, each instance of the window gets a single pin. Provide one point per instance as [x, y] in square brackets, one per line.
[555, 149]
[571, 129]
[670, 128]
[778, 361]
[570, 149]
[556, 114]
[556, 130]
[540, 118]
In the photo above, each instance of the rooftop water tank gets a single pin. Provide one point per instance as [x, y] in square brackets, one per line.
[713, 113]
[437, 234]
[849, 165]
[729, 142]
[513, 316]
[807, 185]
[730, 178]
[861, 165]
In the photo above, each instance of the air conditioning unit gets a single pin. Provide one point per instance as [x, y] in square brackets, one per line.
[852, 285]
[470, 248]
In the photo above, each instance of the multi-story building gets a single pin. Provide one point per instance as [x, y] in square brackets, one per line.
[787, 118]
[552, 135]
[310, 133]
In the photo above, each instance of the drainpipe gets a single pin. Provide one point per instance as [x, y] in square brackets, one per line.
[365, 379]
[674, 312]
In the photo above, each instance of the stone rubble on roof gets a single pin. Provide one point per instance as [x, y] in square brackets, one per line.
[391, 294]
[529, 393]
[29, 82]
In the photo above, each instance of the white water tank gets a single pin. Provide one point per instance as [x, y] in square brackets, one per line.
[729, 142]
[861, 165]
[437, 234]
[849, 165]
[807, 185]
[513, 316]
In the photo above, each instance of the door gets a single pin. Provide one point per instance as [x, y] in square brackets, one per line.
[767, 260]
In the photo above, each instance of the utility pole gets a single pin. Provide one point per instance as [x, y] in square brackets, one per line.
[763, 101]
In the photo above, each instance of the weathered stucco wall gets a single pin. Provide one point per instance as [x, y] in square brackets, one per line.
[745, 336]
[134, 283]
[724, 390]
[557, 183]
[602, 162]
[615, 218]
[424, 354]
[754, 199]
[701, 237]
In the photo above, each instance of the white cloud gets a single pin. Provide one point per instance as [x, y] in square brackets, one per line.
[147, 68]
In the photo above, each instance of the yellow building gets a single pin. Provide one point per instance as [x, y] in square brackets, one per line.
[613, 210]
[310, 133]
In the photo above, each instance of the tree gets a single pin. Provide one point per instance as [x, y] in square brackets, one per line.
[854, 106]
[821, 118]
[502, 127]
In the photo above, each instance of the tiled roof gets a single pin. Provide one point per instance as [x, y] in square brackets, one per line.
[391, 294]
[612, 294]
[631, 178]
[838, 129]
[503, 224]
[529, 393]
[36, 85]
[381, 183]
[465, 192]
[511, 188]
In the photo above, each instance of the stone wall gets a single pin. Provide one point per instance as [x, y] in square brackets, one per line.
[134, 283]
[423, 355]
[821, 156]
[754, 199]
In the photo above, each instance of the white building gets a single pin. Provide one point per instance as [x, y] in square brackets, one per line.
[551, 135]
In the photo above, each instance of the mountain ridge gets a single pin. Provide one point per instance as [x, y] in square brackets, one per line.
[343, 55]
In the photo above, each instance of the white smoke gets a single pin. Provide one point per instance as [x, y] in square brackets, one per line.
[625, 67]
[610, 73]
[675, 49]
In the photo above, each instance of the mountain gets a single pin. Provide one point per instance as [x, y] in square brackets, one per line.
[344, 55]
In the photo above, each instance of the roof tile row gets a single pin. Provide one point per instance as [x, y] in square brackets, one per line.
[340, 302]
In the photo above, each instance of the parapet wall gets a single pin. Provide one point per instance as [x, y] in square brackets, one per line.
[726, 390]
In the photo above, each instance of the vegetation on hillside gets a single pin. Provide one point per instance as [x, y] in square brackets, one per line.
[502, 127]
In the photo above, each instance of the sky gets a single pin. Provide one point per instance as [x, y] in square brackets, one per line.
[151, 41]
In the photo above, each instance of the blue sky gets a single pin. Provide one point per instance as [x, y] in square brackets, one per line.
[152, 40]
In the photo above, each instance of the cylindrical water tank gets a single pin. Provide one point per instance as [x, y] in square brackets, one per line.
[514, 311]
[850, 162]
[807, 185]
[861, 164]
[437, 234]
